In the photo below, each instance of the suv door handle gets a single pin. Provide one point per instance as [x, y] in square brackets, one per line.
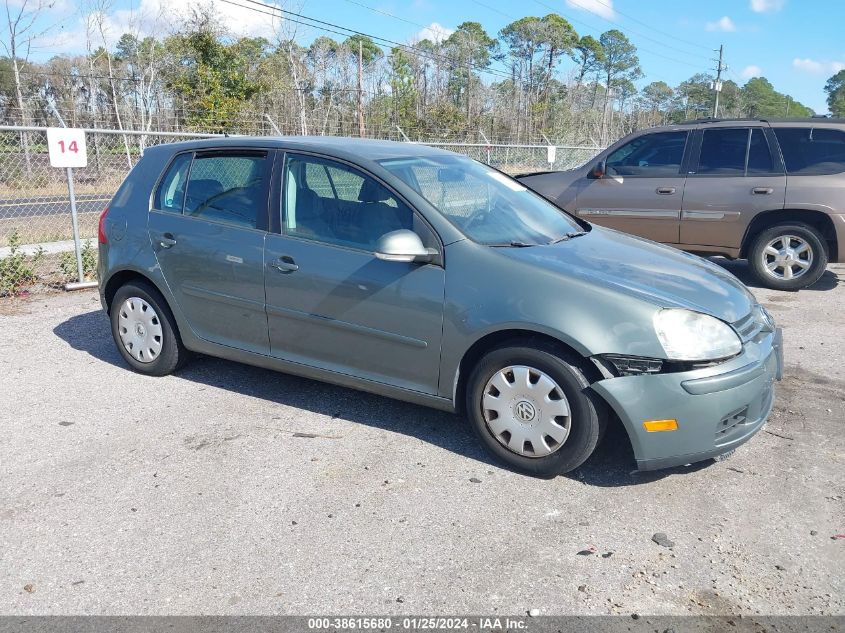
[167, 240]
[285, 264]
[666, 191]
[762, 190]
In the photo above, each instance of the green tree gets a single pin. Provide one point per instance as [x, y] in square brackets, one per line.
[588, 54]
[835, 89]
[468, 48]
[657, 96]
[370, 51]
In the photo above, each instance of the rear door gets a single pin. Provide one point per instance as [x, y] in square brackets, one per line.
[207, 228]
[641, 192]
[735, 173]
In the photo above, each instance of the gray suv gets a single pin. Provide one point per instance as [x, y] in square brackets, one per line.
[426, 276]
[772, 192]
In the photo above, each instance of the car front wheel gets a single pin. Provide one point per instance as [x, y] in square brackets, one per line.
[145, 331]
[532, 408]
[788, 256]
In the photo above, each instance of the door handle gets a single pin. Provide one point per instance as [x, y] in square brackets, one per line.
[167, 240]
[666, 191]
[762, 190]
[285, 264]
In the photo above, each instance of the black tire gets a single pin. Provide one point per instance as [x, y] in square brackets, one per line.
[587, 413]
[805, 232]
[173, 354]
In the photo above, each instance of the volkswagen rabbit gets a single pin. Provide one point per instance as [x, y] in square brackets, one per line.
[422, 275]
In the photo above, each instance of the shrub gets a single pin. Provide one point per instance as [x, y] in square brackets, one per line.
[67, 262]
[17, 270]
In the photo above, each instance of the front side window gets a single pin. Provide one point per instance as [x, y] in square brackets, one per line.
[227, 188]
[487, 206]
[171, 191]
[332, 203]
[651, 155]
[812, 151]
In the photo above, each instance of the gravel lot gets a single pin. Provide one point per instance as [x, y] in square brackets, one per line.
[229, 489]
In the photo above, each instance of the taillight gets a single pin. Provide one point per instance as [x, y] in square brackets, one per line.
[101, 229]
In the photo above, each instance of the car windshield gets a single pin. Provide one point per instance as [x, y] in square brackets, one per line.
[489, 207]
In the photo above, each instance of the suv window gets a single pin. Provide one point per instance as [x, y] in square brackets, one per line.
[171, 192]
[812, 151]
[651, 155]
[332, 203]
[734, 152]
[227, 188]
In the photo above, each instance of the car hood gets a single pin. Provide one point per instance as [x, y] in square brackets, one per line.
[637, 267]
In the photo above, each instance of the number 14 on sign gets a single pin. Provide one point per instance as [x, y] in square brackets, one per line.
[67, 147]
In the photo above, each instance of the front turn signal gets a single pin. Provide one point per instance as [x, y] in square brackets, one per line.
[655, 426]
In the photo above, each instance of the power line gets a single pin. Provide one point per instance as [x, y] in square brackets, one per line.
[646, 24]
[328, 26]
[639, 48]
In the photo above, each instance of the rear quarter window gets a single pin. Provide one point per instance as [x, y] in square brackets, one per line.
[170, 195]
[812, 151]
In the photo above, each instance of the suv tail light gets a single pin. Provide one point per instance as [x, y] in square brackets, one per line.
[101, 229]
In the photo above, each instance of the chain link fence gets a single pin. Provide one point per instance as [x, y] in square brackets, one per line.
[36, 237]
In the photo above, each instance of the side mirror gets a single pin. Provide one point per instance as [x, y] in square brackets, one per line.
[598, 170]
[402, 246]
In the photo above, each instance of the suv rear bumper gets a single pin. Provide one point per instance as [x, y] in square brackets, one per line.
[716, 411]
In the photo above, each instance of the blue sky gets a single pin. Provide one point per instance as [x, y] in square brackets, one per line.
[796, 44]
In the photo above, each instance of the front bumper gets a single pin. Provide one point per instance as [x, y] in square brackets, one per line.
[717, 408]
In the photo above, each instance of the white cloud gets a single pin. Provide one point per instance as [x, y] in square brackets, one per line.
[722, 24]
[604, 8]
[816, 67]
[751, 71]
[157, 17]
[435, 32]
[763, 6]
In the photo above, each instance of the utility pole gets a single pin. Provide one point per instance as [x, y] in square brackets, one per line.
[360, 89]
[717, 85]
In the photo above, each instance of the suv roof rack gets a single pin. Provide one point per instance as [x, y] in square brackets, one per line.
[815, 117]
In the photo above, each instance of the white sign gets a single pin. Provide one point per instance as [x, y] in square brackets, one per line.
[67, 147]
[551, 154]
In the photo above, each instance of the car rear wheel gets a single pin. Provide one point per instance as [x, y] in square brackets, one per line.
[788, 256]
[145, 331]
[532, 409]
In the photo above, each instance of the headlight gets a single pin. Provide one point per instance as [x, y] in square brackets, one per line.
[687, 335]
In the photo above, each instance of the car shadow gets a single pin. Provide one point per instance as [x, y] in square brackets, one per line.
[611, 465]
[742, 271]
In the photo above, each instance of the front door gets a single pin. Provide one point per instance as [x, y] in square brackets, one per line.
[207, 229]
[330, 302]
[737, 174]
[642, 189]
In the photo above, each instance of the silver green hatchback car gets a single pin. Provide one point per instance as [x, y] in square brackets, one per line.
[425, 276]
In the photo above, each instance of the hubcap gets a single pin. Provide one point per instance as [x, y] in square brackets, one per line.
[787, 257]
[139, 329]
[526, 411]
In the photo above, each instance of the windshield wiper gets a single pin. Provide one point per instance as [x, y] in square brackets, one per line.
[567, 236]
[513, 244]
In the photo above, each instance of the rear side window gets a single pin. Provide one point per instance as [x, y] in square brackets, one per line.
[734, 152]
[227, 188]
[812, 151]
[651, 155]
[171, 192]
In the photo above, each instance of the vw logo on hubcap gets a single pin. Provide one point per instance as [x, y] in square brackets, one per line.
[525, 411]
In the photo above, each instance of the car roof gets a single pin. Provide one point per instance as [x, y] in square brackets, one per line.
[350, 148]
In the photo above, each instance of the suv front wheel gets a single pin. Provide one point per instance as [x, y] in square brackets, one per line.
[788, 256]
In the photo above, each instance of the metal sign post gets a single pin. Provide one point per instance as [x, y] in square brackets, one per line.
[67, 149]
[74, 218]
